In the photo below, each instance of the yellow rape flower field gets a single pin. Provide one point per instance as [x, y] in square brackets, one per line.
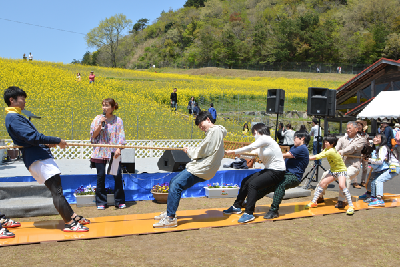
[67, 107]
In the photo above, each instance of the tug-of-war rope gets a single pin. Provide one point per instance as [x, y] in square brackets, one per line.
[155, 147]
[140, 147]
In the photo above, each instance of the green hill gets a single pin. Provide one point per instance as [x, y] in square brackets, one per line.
[236, 33]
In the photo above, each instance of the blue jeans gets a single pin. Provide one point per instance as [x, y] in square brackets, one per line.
[315, 150]
[378, 178]
[101, 195]
[180, 182]
[174, 105]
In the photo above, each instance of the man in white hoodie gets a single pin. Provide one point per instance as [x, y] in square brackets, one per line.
[206, 160]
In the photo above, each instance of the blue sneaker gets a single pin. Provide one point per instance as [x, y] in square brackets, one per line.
[370, 199]
[377, 203]
[101, 207]
[365, 196]
[233, 210]
[246, 218]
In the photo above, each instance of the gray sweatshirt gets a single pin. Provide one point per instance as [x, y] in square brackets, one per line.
[207, 157]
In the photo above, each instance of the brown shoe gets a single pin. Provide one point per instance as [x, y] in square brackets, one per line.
[340, 204]
[320, 200]
[355, 185]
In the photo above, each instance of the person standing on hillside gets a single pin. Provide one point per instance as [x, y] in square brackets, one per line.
[30, 57]
[191, 105]
[174, 99]
[38, 158]
[91, 77]
[196, 109]
[213, 112]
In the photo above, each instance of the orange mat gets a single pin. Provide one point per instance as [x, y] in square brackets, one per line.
[136, 224]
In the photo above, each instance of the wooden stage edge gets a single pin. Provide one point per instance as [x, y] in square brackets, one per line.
[142, 224]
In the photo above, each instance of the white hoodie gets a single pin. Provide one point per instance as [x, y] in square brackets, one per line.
[207, 157]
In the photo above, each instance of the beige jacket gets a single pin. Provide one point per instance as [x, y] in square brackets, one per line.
[351, 147]
[207, 157]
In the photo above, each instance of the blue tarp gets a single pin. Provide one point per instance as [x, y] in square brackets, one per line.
[138, 186]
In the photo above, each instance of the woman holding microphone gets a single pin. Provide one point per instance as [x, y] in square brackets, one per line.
[107, 129]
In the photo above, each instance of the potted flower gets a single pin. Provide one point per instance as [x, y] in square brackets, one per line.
[160, 193]
[221, 191]
[85, 196]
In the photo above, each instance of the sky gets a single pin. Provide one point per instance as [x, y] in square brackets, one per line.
[71, 16]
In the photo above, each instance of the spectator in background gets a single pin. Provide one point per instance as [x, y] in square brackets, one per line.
[362, 131]
[196, 109]
[174, 99]
[30, 57]
[303, 129]
[288, 136]
[245, 128]
[279, 133]
[24, 57]
[78, 77]
[388, 131]
[191, 105]
[315, 132]
[395, 131]
[213, 112]
[91, 77]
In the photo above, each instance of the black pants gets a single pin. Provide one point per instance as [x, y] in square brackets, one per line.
[59, 201]
[250, 186]
[101, 194]
[290, 180]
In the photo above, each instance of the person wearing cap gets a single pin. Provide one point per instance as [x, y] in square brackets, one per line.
[91, 77]
[388, 132]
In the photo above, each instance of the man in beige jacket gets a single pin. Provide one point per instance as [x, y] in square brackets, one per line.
[206, 160]
[349, 146]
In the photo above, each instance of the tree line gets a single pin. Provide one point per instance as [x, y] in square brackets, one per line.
[238, 32]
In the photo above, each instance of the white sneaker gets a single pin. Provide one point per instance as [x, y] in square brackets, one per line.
[161, 216]
[166, 223]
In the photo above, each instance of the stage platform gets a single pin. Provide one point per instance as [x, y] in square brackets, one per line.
[141, 224]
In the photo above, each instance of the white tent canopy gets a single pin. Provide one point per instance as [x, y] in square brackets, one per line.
[385, 105]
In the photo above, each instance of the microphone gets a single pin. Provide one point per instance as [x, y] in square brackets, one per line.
[103, 124]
